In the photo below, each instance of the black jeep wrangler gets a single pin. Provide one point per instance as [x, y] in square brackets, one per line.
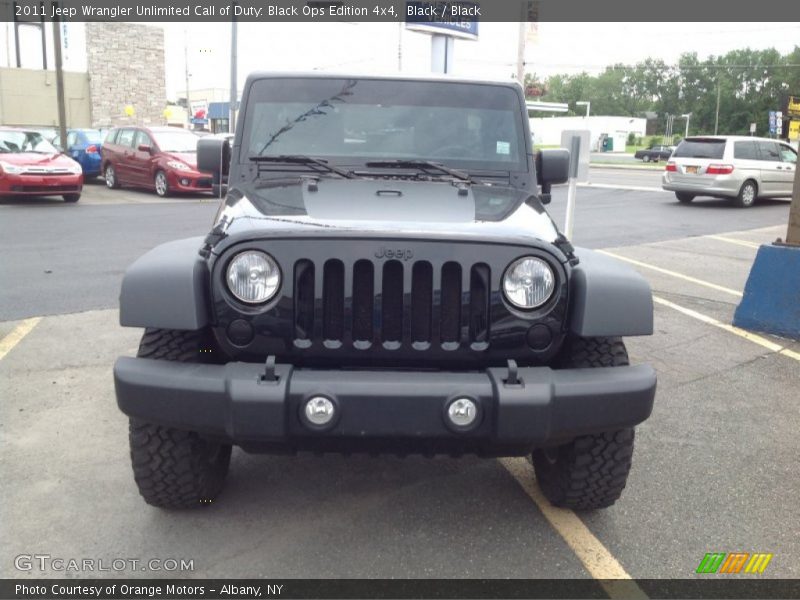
[382, 277]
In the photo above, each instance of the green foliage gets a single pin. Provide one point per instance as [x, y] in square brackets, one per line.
[749, 83]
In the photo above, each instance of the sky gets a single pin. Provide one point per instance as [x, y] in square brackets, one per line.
[203, 49]
[373, 47]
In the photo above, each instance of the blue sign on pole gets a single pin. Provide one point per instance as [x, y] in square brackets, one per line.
[773, 122]
[457, 19]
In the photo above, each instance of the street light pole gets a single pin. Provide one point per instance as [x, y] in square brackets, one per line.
[585, 103]
[234, 85]
[186, 75]
[62, 109]
[687, 116]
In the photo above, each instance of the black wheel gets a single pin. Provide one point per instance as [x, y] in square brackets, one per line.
[590, 471]
[747, 194]
[175, 468]
[684, 198]
[110, 176]
[162, 186]
[71, 197]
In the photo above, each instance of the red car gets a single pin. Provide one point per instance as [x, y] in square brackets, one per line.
[159, 158]
[31, 166]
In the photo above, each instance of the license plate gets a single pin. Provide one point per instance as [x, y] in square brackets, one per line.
[692, 169]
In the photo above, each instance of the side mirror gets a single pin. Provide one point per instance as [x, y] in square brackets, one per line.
[552, 166]
[213, 156]
[144, 148]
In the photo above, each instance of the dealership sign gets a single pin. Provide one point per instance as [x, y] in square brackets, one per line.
[454, 19]
[793, 107]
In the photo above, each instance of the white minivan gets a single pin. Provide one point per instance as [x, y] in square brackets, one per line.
[737, 167]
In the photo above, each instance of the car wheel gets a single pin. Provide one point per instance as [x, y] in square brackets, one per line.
[646, 158]
[71, 197]
[684, 198]
[747, 194]
[111, 177]
[174, 468]
[590, 471]
[162, 187]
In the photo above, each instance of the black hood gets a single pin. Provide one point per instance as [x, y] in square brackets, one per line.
[384, 207]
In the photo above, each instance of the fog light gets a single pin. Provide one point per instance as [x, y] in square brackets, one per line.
[462, 412]
[320, 410]
[184, 181]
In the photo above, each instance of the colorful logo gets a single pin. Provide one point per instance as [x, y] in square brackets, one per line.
[735, 562]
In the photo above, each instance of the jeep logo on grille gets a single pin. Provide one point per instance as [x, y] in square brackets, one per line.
[398, 253]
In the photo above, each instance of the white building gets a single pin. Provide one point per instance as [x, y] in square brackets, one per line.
[547, 131]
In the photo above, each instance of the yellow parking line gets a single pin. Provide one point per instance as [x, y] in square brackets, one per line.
[644, 265]
[15, 337]
[750, 337]
[721, 238]
[596, 558]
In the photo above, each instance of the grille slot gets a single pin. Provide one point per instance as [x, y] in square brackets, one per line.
[333, 300]
[451, 302]
[421, 301]
[479, 304]
[391, 303]
[303, 300]
[363, 291]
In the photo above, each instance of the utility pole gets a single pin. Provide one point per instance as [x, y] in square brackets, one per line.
[521, 51]
[234, 85]
[400, 47]
[62, 109]
[186, 75]
[716, 116]
[793, 232]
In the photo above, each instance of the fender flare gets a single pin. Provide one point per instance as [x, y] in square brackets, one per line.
[166, 288]
[609, 298]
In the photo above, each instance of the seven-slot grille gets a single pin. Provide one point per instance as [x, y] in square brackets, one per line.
[394, 304]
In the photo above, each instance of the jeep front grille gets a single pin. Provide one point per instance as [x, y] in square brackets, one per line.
[391, 303]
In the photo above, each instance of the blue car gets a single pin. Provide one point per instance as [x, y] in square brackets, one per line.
[83, 145]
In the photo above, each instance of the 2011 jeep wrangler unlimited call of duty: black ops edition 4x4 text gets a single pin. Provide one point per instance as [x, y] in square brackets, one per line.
[382, 277]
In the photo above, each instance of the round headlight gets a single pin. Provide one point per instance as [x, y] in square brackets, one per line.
[529, 282]
[253, 277]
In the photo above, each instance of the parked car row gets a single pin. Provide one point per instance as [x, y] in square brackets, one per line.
[163, 159]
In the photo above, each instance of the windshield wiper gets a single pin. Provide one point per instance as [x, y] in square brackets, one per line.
[299, 159]
[422, 165]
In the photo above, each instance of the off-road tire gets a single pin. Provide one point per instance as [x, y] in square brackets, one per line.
[684, 198]
[175, 468]
[747, 195]
[591, 471]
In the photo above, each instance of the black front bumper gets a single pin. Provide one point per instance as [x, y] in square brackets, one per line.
[383, 409]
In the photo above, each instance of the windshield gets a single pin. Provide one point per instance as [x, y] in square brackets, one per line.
[15, 142]
[352, 121]
[177, 141]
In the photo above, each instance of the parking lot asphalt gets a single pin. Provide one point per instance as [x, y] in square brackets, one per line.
[715, 467]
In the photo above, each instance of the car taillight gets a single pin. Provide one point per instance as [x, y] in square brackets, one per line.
[719, 170]
[91, 149]
[672, 167]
